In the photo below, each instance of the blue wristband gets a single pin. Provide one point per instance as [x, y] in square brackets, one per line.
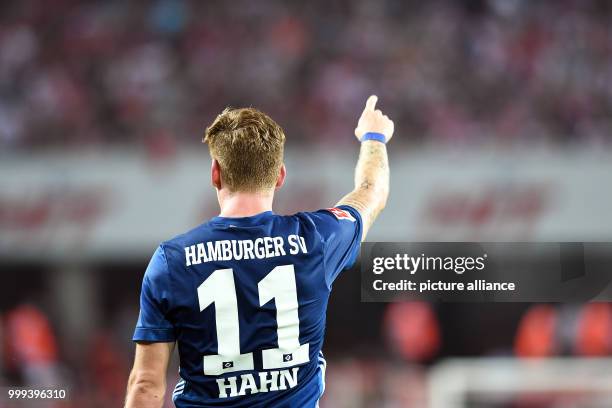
[379, 137]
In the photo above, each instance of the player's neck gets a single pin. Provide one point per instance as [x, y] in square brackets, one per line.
[241, 204]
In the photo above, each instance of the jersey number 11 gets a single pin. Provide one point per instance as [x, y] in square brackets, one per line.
[279, 284]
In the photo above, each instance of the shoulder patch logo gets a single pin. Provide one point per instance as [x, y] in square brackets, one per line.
[341, 214]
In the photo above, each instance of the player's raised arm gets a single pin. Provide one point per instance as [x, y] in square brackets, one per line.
[369, 196]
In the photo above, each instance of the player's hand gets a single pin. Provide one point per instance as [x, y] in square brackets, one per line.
[373, 120]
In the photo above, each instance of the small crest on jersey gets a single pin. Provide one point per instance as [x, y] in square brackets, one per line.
[288, 357]
[341, 214]
[228, 364]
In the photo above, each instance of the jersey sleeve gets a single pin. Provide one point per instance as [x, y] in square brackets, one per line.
[153, 324]
[340, 229]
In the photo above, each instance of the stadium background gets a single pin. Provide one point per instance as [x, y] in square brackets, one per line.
[503, 132]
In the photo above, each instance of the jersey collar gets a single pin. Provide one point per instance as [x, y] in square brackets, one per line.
[252, 220]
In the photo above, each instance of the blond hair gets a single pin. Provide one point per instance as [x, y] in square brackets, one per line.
[249, 146]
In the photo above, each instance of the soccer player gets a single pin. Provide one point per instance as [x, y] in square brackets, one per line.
[244, 295]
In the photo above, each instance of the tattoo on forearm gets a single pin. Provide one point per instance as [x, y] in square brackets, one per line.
[371, 183]
[365, 184]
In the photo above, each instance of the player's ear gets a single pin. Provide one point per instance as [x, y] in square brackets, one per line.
[281, 177]
[215, 174]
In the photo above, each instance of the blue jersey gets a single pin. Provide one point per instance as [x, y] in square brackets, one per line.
[245, 300]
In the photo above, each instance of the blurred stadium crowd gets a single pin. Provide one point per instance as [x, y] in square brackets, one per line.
[503, 71]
